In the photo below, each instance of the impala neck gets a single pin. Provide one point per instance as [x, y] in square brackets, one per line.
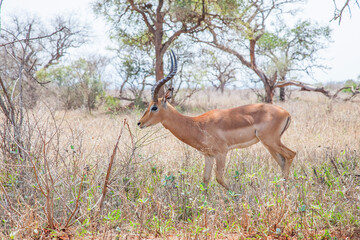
[183, 127]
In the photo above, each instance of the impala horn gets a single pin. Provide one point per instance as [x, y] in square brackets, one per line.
[155, 89]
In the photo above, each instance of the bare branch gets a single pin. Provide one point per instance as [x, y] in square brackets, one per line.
[304, 87]
[30, 39]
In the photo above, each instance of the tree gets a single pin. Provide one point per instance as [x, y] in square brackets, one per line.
[134, 70]
[27, 45]
[152, 25]
[238, 33]
[221, 70]
[294, 49]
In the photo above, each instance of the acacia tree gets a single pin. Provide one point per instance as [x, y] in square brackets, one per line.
[293, 49]
[152, 25]
[26, 46]
[239, 33]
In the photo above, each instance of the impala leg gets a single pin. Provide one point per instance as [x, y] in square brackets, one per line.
[283, 156]
[209, 162]
[220, 168]
[289, 155]
[278, 158]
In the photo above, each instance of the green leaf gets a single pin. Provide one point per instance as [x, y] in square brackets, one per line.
[302, 208]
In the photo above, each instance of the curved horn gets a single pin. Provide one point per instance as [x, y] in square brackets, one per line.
[155, 89]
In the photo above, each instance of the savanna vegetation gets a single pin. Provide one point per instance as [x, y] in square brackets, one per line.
[153, 184]
[74, 165]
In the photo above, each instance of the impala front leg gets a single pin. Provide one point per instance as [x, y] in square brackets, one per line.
[220, 169]
[209, 162]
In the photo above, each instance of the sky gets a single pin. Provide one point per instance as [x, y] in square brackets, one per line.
[342, 57]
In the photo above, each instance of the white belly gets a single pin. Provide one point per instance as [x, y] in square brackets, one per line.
[244, 144]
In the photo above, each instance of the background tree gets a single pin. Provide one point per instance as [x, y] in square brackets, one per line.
[152, 25]
[135, 70]
[294, 50]
[26, 45]
[221, 70]
[191, 72]
[239, 33]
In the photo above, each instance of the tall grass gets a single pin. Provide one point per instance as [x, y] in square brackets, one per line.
[155, 191]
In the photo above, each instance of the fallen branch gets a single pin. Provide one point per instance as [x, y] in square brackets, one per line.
[304, 87]
[307, 87]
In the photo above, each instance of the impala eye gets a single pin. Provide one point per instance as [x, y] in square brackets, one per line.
[154, 108]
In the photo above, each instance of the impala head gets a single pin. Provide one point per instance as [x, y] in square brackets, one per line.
[158, 106]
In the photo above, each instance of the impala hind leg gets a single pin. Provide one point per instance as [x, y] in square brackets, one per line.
[209, 162]
[289, 155]
[282, 154]
[220, 169]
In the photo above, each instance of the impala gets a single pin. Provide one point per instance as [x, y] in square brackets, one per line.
[216, 132]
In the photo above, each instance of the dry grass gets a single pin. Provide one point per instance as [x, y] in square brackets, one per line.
[155, 184]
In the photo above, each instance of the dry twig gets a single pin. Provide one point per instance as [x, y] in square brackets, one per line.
[106, 182]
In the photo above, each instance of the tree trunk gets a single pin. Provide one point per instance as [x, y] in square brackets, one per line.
[159, 71]
[159, 51]
[269, 93]
[222, 87]
[282, 94]
[269, 84]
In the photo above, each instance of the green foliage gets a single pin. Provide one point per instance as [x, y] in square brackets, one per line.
[349, 83]
[271, 41]
[309, 38]
[60, 75]
[296, 47]
[79, 84]
[112, 104]
[139, 104]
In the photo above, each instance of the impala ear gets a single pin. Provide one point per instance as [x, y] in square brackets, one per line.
[168, 95]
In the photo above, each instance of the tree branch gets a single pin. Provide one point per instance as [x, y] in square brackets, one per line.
[184, 29]
[30, 39]
[146, 20]
[304, 87]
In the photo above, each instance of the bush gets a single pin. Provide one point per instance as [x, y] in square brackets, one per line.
[112, 104]
[79, 84]
[349, 83]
